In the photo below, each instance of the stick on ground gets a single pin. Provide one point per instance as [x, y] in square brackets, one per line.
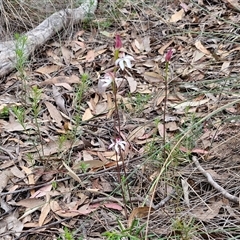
[213, 183]
[43, 32]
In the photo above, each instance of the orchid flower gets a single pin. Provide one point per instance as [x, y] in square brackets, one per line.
[118, 42]
[124, 61]
[169, 55]
[105, 82]
[119, 144]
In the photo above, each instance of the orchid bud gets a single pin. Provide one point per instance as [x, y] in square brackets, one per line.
[118, 42]
[169, 55]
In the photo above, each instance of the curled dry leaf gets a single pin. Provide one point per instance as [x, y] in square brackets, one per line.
[31, 203]
[185, 191]
[48, 69]
[132, 84]
[72, 173]
[60, 79]
[113, 206]
[200, 47]
[44, 212]
[87, 115]
[177, 16]
[139, 212]
[59, 99]
[54, 113]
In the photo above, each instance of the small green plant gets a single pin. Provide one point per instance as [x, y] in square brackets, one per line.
[77, 116]
[4, 112]
[61, 140]
[189, 141]
[135, 232]
[67, 235]
[84, 166]
[81, 88]
[19, 112]
[21, 57]
[139, 101]
[54, 185]
[183, 229]
[30, 158]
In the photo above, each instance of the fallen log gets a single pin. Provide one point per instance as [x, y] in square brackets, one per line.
[42, 33]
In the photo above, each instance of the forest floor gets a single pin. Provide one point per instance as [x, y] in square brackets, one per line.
[154, 158]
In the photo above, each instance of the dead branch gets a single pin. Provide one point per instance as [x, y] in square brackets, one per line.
[43, 32]
[213, 183]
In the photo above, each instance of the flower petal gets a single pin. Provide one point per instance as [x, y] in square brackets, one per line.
[129, 57]
[121, 64]
[128, 62]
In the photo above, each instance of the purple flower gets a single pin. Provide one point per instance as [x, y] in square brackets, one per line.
[169, 55]
[118, 41]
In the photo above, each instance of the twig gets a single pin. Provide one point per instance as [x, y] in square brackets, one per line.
[150, 204]
[8, 152]
[165, 200]
[213, 183]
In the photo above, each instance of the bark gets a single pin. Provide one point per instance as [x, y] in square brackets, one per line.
[42, 33]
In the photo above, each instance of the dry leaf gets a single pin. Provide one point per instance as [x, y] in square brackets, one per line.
[87, 115]
[183, 105]
[160, 128]
[72, 174]
[200, 47]
[225, 68]
[60, 79]
[101, 108]
[90, 56]
[30, 175]
[54, 113]
[172, 126]
[5, 176]
[12, 225]
[48, 69]
[44, 212]
[164, 47]
[139, 212]
[94, 163]
[17, 172]
[136, 133]
[213, 210]
[67, 55]
[55, 207]
[153, 77]
[87, 156]
[59, 99]
[16, 126]
[177, 16]
[113, 206]
[31, 203]
[185, 191]
[42, 191]
[132, 84]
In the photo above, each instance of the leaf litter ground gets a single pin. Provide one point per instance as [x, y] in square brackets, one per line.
[49, 181]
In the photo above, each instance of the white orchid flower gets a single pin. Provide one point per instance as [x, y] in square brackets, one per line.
[119, 144]
[124, 61]
[105, 82]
